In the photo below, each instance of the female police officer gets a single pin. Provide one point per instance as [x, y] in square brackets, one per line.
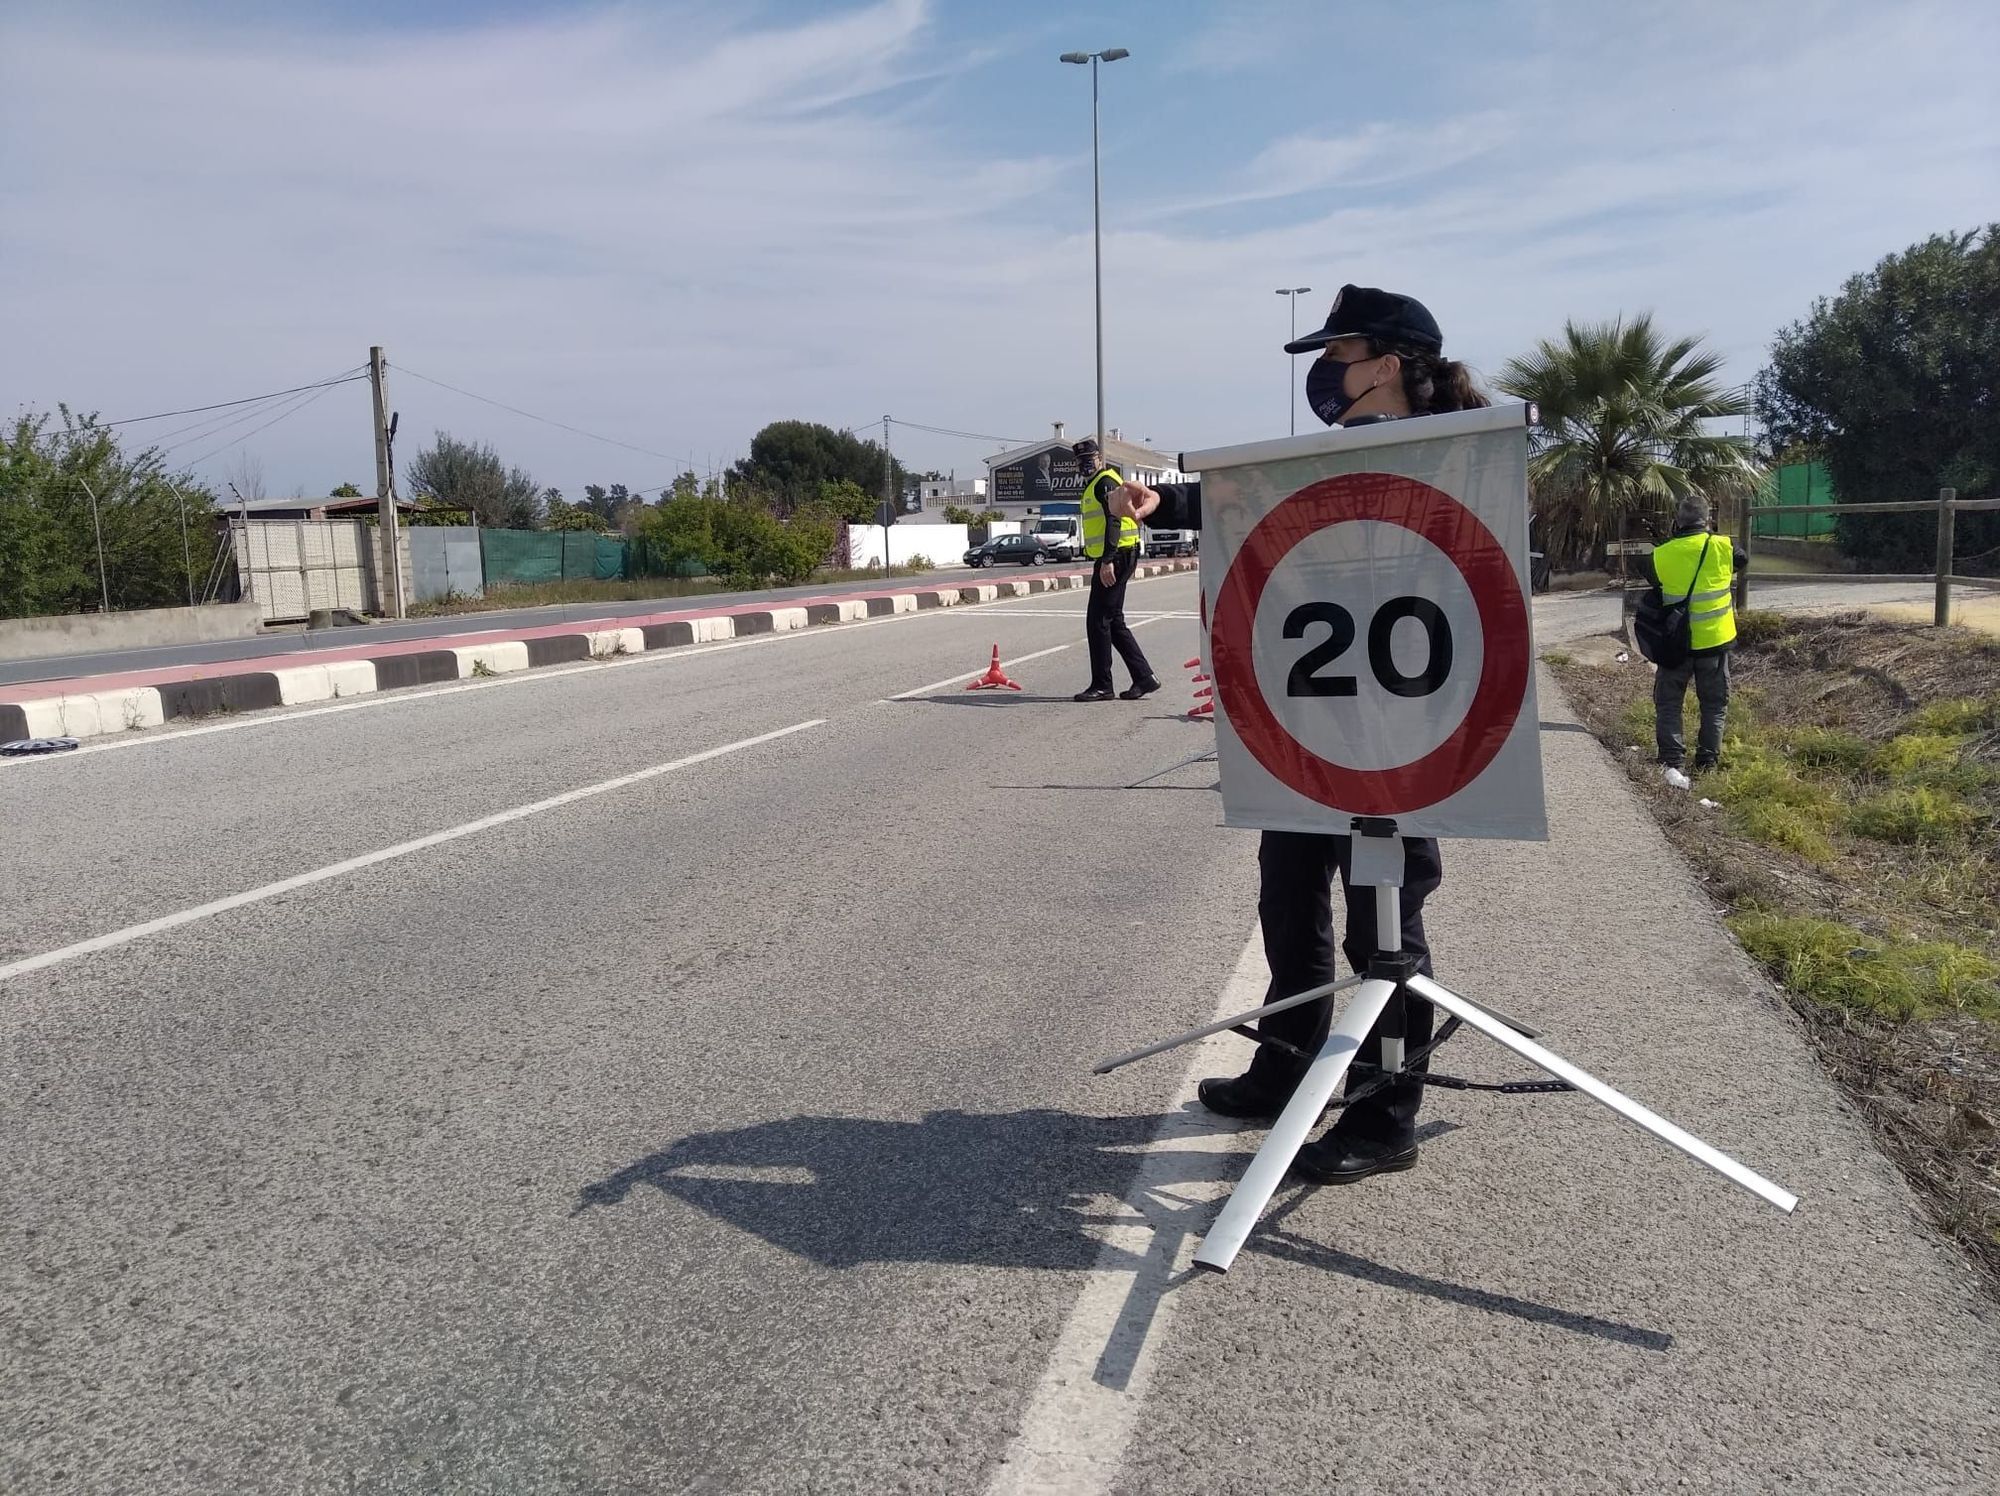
[1381, 359]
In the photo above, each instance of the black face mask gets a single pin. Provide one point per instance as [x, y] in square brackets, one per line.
[1326, 389]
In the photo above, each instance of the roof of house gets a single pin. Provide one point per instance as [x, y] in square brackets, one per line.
[298, 507]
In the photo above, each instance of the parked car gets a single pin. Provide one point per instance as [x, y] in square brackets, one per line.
[1172, 542]
[1022, 550]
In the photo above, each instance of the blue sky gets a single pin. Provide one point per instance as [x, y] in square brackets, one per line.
[671, 223]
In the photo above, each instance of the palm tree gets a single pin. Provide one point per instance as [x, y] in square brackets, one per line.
[1624, 433]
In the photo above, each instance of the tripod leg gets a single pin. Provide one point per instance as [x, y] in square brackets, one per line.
[1288, 1134]
[1297, 999]
[1598, 1091]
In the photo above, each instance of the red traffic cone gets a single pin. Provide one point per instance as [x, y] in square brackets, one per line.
[995, 677]
[1194, 664]
[1206, 709]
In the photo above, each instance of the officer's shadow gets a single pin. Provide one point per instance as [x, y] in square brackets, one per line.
[1039, 1189]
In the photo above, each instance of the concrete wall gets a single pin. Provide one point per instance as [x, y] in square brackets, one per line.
[941, 545]
[88, 633]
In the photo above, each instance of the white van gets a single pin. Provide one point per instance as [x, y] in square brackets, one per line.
[1061, 534]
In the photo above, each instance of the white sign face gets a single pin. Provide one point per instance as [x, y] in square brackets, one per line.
[1369, 629]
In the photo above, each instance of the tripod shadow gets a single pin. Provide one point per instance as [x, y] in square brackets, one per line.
[983, 698]
[1039, 1189]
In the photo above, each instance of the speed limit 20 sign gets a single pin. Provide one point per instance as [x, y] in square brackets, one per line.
[1369, 628]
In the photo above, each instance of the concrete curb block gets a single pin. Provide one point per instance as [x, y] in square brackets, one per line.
[82, 714]
[499, 658]
[302, 685]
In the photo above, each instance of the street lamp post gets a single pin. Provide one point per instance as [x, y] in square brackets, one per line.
[1292, 295]
[1110, 54]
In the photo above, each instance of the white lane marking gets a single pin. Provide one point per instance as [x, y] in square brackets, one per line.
[401, 849]
[278, 717]
[965, 675]
[988, 608]
[1073, 1437]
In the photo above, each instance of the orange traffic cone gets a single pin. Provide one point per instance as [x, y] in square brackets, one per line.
[995, 677]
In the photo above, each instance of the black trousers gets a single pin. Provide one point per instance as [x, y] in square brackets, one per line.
[1105, 627]
[1295, 906]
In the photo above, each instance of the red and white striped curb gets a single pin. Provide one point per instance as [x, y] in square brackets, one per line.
[93, 705]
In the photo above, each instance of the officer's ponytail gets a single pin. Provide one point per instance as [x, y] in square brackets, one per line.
[1432, 384]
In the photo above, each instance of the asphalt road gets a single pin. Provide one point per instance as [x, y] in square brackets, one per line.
[728, 1127]
[282, 640]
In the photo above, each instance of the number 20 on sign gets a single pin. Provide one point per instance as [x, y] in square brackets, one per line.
[1370, 629]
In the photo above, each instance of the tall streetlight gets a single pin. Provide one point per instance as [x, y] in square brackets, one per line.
[1111, 54]
[1292, 295]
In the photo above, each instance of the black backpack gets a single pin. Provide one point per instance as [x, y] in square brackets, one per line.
[1662, 629]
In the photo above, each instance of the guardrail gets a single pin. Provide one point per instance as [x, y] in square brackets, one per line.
[1946, 506]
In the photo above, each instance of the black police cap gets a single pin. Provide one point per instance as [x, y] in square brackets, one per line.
[1364, 312]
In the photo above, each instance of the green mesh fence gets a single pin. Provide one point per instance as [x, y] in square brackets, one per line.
[526, 557]
[1794, 483]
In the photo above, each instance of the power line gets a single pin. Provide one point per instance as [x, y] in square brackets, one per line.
[530, 415]
[346, 376]
[209, 430]
[207, 426]
[294, 409]
[977, 436]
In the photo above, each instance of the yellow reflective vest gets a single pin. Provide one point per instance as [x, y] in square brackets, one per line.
[1711, 608]
[1094, 516]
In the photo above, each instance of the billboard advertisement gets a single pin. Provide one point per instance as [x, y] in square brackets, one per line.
[1052, 474]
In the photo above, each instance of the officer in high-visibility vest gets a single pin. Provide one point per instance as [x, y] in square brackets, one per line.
[1112, 546]
[1701, 567]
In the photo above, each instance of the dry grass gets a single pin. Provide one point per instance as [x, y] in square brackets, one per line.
[1856, 848]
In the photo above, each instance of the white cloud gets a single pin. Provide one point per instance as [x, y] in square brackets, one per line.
[671, 228]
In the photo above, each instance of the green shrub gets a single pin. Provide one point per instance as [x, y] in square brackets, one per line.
[1827, 748]
[1768, 802]
[1837, 964]
[1921, 814]
[1915, 756]
[1965, 714]
[1760, 626]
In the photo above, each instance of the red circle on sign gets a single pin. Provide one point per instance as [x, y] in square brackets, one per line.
[1503, 620]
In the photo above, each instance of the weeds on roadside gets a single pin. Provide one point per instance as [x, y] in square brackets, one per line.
[1894, 979]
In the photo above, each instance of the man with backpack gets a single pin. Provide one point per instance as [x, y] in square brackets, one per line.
[1695, 571]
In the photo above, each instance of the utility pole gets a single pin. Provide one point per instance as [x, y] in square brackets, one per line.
[385, 489]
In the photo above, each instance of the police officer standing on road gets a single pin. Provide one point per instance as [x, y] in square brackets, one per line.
[1381, 359]
[1112, 546]
[1701, 567]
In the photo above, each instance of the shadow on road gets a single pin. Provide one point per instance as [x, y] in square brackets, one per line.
[1039, 1189]
[963, 697]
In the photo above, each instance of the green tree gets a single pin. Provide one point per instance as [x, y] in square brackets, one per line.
[470, 476]
[958, 514]
[347, 491]
[679, 535]
[158, 529]
[847, 500]
[563, 515]
[789, 460]
[1893, 384]
[1624, 433]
